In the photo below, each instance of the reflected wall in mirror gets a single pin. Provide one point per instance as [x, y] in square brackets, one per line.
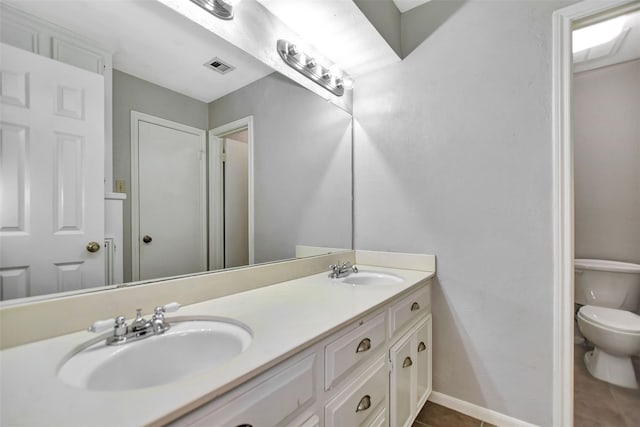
[210, 169]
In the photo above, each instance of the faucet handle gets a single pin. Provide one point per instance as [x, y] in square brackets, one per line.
[120, 327]
[171, 307]
[159, 311]
[101, 325]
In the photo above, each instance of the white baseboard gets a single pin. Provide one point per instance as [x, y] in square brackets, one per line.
[475, 411]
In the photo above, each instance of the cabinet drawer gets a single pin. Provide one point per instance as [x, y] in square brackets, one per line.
[344, 353]
[314, 421]
[411, 307]
[361, 400]
[380, 420]
[269, 403]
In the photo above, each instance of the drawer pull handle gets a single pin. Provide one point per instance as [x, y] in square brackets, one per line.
[244, 425]
[364, 404]
[421, 346]
[407, 362]
[415, 306]
[364, 345]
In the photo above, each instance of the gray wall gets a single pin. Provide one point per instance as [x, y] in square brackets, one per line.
[453, 157]
[131, 93]
[302, 165]
[385, 17]
[606, 108]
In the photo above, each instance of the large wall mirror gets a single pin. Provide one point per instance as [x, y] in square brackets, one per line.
[208, 158]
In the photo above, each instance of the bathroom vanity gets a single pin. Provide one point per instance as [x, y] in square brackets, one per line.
[323, 352]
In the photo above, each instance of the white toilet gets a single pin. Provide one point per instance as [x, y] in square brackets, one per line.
[610, 294]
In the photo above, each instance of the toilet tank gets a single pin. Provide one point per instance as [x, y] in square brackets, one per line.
[607, 283]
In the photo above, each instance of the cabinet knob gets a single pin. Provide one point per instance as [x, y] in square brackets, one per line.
[407, 362]
[422, 346]
[415, 306]
[364, 345]
[147, 239]
[364, 404]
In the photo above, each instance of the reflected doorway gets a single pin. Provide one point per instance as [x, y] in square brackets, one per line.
[236, 198]
[231, 195]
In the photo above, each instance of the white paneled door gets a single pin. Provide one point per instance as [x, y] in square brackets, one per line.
[51, 176]
[169, 228]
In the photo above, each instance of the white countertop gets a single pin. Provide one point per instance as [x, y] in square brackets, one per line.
[284, 319]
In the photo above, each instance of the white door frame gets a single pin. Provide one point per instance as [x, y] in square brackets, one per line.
[137, 117]
[564, 21]
[216, 190]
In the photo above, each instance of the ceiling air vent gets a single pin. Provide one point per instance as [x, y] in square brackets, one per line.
[219, 65]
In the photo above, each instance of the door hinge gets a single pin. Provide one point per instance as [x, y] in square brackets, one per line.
[223, 157]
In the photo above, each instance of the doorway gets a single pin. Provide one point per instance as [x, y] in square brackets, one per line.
[168, 208]
[236, 199]
[231, 194]
[564, 22]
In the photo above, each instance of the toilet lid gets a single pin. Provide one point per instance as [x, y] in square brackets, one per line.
[621, 320]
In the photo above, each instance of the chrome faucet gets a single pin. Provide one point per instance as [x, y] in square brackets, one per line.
[343, 270]
[140, 328]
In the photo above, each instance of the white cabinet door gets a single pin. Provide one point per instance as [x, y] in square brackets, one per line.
[410, 383]
[402, 390]
[423, 363]
[51, 174]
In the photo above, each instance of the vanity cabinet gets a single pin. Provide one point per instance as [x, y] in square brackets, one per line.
[374, 372]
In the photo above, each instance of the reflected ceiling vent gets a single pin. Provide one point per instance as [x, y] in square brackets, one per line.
[219, 65]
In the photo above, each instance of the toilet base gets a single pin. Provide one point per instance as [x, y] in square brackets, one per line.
[612, 369]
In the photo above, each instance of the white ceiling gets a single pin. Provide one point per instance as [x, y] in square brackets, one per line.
[152, 42]
[404, 5]
[625, 47]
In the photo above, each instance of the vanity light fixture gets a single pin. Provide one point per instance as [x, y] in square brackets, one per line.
[222, 9]
[329, 77]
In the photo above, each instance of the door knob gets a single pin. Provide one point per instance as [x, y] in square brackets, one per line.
[147, 239]
[93, 246]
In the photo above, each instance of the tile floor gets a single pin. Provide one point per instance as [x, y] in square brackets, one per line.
[600, 404]
[434, 415]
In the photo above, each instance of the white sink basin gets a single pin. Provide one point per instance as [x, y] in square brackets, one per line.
[371, 278]
[187, 348]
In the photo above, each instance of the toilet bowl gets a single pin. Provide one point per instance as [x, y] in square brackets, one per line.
[609, 292]
[615, 335]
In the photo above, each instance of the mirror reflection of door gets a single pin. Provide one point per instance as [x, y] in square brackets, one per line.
[51, 138]
[236, 198]
[169, 225]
